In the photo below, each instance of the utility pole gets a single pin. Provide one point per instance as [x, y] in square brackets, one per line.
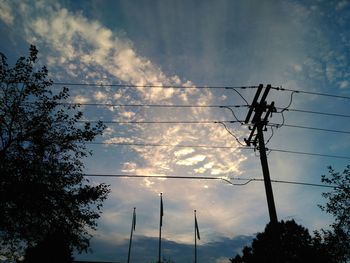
[257, 138]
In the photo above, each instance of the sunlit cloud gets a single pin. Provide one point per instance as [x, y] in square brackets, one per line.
[344, 84]
[81, 99]
[100, 96]
[191, 160]
[183, 152]
[85, 50]
[6, 13]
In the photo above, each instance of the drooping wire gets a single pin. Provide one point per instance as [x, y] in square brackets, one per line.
[239, 94]
[248, 180]
[286, 109]
[272, 133]
[283, 120]
[234, 136]
[290, 101]
[233, 113]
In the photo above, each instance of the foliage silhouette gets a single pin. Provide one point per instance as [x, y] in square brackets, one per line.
[337, 240]
[296, 246]
[42, 144]
[54, 249]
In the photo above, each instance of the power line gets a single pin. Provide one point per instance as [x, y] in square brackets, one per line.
[192, 87]
[197, 106]
[167, 145]
[214, 122]
[319, 113]
[216, 147]
[161, 122]
[248, 180]
[312, 93]
[225, 179]
[201, 106]
[195, 87]
[313, 128]
[309, 153]
[154, 105]
[150, 86]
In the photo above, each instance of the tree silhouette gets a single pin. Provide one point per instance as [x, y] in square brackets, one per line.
[337, 240]
[54, 248]
[42, 144]
[295, 246]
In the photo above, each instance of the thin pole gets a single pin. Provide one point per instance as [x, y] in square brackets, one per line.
[269, 193]
[160, 227]
[132, 231]
[195, 238]
[266, 174]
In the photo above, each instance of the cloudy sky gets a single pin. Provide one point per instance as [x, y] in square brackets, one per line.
[143, 43]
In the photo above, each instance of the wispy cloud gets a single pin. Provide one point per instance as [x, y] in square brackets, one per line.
[80, 49]
[6, 12]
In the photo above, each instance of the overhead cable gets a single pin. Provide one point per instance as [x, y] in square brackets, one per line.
[216, 147]
[312, 93]
[154, 105]
[318, 112]
[150, 86]
[222, 122]
[225, 179]
[309, 153]
[200, 106]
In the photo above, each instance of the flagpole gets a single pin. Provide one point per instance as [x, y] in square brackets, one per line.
[132, 231]
[160, 227]
[195, 237]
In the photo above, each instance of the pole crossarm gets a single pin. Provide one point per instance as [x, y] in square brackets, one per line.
[259, 108]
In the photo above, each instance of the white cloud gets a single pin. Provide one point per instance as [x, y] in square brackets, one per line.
[297, 68]
[100, 96]
[81, 99]
[183, 152]
[344, 84]
[192, 160]
[90, 51]
[129, 167]
[222, 260]
[120, 140]
[6, 12]
[341, 5]
[127, 114]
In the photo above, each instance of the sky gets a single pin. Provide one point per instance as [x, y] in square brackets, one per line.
[298, 45]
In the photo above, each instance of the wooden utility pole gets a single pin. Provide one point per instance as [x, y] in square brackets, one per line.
[258, 139]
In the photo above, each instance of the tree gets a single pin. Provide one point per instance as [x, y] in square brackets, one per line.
[295, 246]
[337, 240]
[42, 146]
[54, 249]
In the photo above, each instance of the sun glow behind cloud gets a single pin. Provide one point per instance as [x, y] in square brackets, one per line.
[79, 49]
[85, 51]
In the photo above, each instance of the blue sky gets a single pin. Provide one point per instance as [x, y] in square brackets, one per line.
[293, 44]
